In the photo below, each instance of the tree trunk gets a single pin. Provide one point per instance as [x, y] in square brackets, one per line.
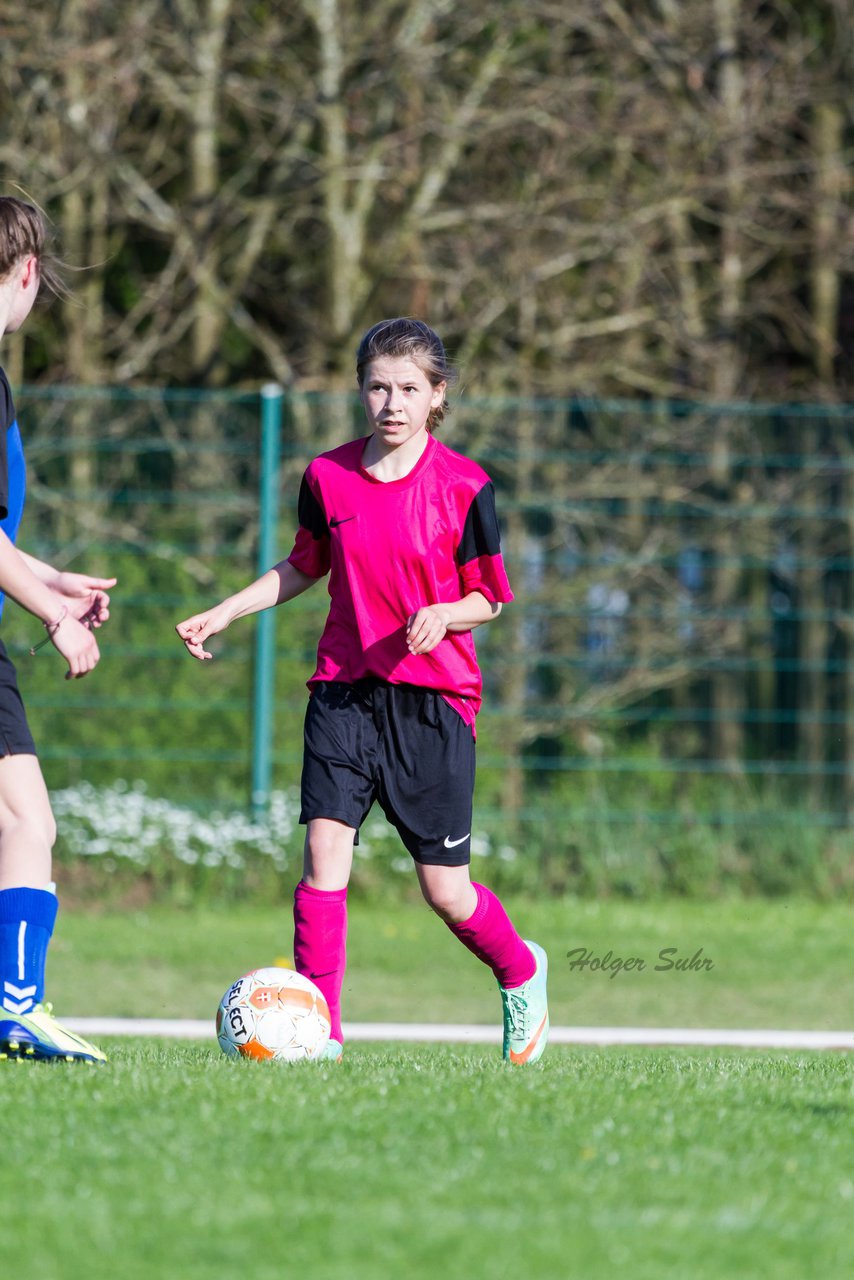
[727, 688]
[205, 178]
[831, 181]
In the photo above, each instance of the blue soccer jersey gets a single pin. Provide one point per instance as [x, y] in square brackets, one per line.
[13, 473]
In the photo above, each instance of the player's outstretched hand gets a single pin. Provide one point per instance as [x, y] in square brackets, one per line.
[86, 598]
[77, 645]
[196, 630]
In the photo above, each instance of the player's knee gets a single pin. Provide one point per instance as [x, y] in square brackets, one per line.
[328, 855]
[324, 848]
[446, 901]
[35, 827]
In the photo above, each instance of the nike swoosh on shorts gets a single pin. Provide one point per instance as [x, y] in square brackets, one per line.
[451, 844]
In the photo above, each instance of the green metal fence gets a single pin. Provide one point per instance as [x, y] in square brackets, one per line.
[680, 651]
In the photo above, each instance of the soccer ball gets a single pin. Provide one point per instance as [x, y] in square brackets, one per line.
[273, 1014]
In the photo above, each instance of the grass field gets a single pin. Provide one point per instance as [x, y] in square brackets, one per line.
[441, 1163]
[173, 1161]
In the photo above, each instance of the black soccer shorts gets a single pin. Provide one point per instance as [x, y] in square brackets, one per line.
[401, 745]
[15, 736]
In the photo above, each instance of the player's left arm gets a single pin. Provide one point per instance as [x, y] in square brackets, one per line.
[86, 598]
[430, 624]
[483, 582]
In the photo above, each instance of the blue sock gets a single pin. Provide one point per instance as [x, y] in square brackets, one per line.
[26, 923]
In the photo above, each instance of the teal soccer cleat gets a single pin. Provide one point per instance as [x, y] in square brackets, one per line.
[526, 1013]
[333, 1051]
[38, 1037]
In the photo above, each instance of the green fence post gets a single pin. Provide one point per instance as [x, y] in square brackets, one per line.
[272, 397]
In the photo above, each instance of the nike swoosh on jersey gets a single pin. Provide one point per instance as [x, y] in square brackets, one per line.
[452, 844]
[333, 523]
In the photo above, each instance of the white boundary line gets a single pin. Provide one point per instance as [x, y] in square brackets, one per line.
[451, 1033]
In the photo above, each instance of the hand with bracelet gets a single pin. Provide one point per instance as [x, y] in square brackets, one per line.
[82, 604]
[72, 638]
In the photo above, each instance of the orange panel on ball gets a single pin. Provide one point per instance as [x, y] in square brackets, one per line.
[296, 998]
[255, 1050]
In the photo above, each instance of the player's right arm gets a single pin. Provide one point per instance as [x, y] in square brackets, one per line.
[282, 583]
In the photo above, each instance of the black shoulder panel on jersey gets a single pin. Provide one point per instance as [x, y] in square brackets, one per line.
[7, 417]
[481, 535]
[310, 512]
[7, 407]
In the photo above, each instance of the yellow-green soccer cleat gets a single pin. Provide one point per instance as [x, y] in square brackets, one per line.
[526, 1013]
[38, 1037]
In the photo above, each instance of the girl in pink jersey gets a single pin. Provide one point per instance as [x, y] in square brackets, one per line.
[406, 530]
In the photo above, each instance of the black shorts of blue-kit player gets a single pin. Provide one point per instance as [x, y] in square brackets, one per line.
[15, 736]
[400, 745]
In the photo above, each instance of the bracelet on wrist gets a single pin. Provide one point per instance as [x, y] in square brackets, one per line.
[51, 628]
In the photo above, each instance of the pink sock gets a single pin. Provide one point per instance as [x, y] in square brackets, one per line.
[490, 935]
[320, 944]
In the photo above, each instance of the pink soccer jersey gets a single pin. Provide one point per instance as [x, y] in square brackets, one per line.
[390, 548]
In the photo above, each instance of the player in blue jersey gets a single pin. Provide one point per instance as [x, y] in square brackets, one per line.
[70, 606]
